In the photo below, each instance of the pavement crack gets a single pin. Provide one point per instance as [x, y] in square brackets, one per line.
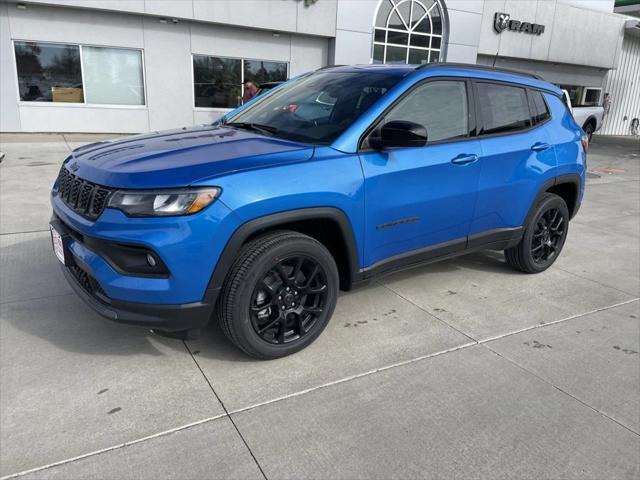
[429, 313]
[64, 137]
[594, 281]
[553, 322]
[111, 448]
[21, 233]
[228, 415]
[521, 367]
[31, 299]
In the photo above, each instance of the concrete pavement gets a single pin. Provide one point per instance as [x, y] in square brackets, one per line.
[463, 369]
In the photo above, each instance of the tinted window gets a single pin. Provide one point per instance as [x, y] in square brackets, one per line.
[318, 107]
[503, 108]
[259, 71]
[216, 81]
[49, 72]
[539, 111]
[441, 107]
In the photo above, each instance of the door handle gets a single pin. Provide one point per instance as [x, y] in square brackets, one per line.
[464, 159]
[539, 146]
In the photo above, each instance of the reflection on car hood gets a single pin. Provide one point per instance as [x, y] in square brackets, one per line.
[181, 157]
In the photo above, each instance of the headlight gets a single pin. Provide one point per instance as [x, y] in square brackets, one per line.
[163, 203]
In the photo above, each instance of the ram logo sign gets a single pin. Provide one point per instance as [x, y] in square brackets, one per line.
[502, 21]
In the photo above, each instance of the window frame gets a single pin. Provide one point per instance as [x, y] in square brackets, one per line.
[84, 103]
[430, 50]
[480, 120]
[472, 126]
[584, 96]
[242, 60]
[546, 105]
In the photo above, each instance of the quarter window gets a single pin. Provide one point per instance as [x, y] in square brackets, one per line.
[218, 81]
[440, 106]
[408, 31]
[539, 111]
[503, 108]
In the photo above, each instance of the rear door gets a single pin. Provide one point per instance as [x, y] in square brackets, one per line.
[423, 197]
[517, 155]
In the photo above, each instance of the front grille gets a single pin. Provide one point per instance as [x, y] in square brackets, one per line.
[82, 196]
[89, 283]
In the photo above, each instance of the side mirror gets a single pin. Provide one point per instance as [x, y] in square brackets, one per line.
[399, 133]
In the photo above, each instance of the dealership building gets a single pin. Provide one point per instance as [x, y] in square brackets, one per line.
[129, 66]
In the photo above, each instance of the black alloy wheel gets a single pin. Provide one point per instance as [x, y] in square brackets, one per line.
[548, 236]
[544, 236]
[287, 302]
[279, 294]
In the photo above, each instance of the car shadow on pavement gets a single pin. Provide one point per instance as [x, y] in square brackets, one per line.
[59, 317]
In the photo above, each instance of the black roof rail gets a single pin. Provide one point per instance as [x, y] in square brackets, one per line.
[329, 66]
[480, 67]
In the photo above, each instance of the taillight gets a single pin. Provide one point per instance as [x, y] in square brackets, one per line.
[585, 142]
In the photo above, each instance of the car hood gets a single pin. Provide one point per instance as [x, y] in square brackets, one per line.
[182, 157]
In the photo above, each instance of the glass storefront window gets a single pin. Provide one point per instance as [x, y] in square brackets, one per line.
[66, 73]
[49, 72]
[113, 76]
[218, 82]
[259, 72]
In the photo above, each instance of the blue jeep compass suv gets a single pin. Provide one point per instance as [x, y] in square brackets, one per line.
[320, 184]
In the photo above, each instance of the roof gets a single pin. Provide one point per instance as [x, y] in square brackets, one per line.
[455, 69]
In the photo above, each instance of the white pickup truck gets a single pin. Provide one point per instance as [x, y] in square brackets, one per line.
[588, 117]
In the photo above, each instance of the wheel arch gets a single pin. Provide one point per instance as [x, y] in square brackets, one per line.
[565, 186]
[591, 120]
[329, 225]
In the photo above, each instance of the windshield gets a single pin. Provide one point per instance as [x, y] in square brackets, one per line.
[317, 108]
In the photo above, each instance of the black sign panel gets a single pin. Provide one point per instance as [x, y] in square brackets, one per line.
[502, 21]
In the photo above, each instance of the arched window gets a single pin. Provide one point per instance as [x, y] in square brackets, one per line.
[408, 31]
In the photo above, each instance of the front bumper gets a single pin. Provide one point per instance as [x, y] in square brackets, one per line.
[165, 318]
[189, 247]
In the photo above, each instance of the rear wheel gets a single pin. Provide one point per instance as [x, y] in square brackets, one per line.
[279, 295]
[543, 238]
[588, 130]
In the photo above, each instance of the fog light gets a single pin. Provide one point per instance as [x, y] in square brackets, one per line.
[151, 260]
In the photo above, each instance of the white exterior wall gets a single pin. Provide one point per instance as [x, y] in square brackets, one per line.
[572, 36]
[623, 85]
[354, 31]
[292, 16]
[167, 50]
[582, 41]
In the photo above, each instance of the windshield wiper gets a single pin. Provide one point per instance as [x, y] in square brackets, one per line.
[256, 127]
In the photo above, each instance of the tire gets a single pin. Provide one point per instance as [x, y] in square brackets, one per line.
[273, 302]
[588, 130]
[543, 238]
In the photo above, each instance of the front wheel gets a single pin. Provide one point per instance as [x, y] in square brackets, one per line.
[543, 238]
[279, 295]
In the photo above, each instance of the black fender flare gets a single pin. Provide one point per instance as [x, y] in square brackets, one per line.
[246, 230]
[573, 178]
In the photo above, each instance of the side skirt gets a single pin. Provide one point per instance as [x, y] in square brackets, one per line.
[498, 239]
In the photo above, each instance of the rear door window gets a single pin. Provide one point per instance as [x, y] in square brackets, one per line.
[503, 108]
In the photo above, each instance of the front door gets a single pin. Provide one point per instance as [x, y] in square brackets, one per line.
[422, 199]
